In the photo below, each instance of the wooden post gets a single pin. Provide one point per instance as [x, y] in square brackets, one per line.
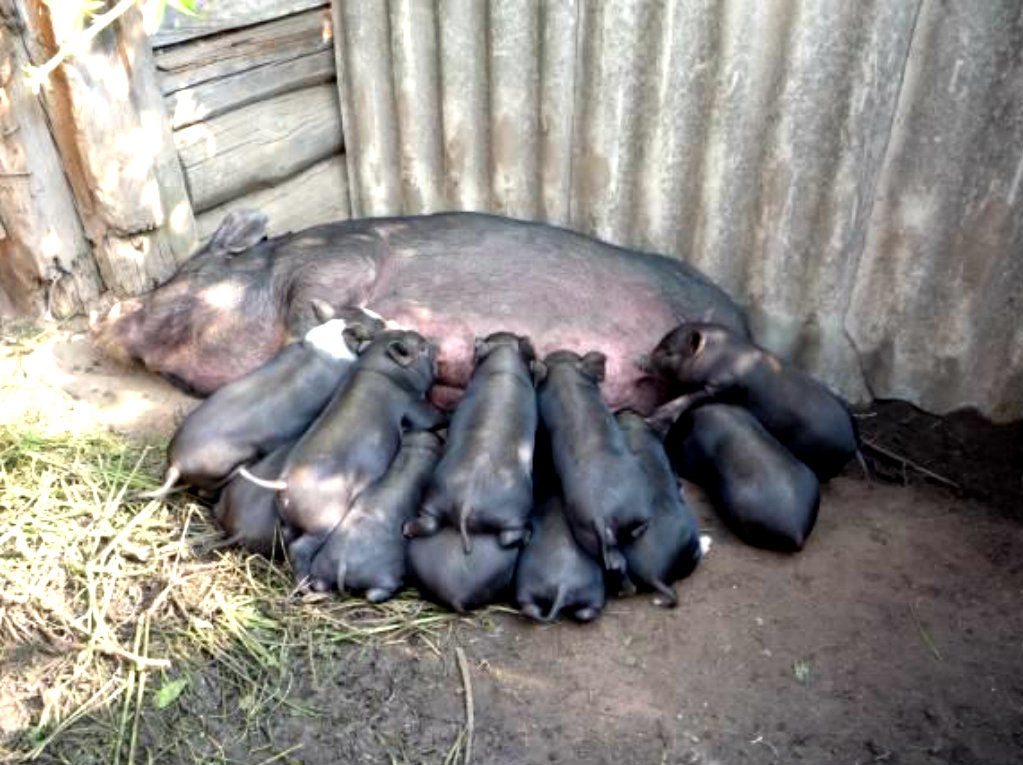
[115, 140]
[46, 263]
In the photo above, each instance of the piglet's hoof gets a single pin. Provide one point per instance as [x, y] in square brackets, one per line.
[423, 526]
[586, 614]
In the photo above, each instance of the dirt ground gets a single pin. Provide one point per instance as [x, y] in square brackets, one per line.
[896, 636]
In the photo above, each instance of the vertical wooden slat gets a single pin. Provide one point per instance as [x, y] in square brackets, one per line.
[115, 142]
[45, 260]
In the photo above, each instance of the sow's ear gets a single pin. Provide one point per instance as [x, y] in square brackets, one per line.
[526, 349]
[239, 231]
[539, 370]
[399, 351]
[594, 365]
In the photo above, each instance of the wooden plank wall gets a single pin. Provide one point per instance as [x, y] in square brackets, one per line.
[115, 173]
[250, 92]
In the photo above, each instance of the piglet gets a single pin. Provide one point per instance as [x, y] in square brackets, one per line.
[764, 494]
[366, 551]
[462, 581]
[607, 500]
[263, 410]
[352, 443]
[711, 362]
[484, 481]
[670, 548]
[248, 512]
[554, 574]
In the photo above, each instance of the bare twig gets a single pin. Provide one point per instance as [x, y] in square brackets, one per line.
[906, 462]
[470, 716]
[923, 632]
[100, 21]
[141, 662]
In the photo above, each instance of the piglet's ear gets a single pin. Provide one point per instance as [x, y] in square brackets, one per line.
[594, 365]
[322, 310]
[239, 231]
[480, 349]
[696, 342]
[526, 349]
[539, 371]
[399, 351]
[357, 336]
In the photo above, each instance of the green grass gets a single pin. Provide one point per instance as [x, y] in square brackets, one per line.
[111, 606]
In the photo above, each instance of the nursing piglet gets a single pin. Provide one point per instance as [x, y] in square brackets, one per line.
[248, 512]
[269, 407]
[462, 581]
[554, 574]
[607, 501]
[670, 548]
[367, 552]
[483, 483]
[764, 494]
[711, 362]
[352, 443]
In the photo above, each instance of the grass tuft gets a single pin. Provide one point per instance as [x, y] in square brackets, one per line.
[110, 605]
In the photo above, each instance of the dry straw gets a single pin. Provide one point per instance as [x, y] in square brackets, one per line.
[108, 603]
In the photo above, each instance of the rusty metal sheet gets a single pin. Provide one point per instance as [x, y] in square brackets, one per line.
[851, 172]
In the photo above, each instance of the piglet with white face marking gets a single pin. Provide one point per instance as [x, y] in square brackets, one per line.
[352, 443]
[366, 552]
[484, 481]
[267, 408]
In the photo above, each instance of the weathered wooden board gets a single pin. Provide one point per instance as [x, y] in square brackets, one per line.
[116, 144]
[215, 97]
[274, 42]
[259, 145]
[314, 196]
[219, 15]
[45, 260]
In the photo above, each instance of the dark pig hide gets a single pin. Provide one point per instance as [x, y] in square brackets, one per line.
[451, 277]
[607, 498]
[554, 574]
[448, 575]
[710, 362]
[247, 512]
[670, 548]
[267, 408]
[765, 495]
[354, 440]
[366, 552]
[484, 483]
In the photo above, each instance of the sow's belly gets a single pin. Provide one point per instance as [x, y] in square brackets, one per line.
[618, 313]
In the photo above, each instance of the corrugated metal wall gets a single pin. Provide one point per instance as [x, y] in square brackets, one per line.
[850, 171]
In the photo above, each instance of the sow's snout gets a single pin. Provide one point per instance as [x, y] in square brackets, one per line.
[114, 332]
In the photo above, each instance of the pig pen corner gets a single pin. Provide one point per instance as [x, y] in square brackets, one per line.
[286, 195]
